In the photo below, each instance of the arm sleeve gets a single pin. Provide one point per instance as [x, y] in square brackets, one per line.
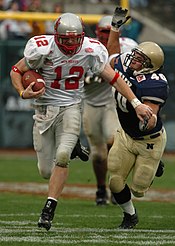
[157, 92]
[34, 57]
[99, 59]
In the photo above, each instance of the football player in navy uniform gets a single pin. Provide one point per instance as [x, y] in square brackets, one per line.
[138, 147]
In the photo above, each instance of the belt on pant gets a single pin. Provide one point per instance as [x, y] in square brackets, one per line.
[152, 136]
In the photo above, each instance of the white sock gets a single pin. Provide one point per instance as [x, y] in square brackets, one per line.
[52, 198]
[128, 207]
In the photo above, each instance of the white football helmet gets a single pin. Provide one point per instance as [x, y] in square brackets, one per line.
[103, 29]
[69, 27]
[153, 57]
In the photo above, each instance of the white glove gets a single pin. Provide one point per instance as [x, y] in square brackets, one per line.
[143, 126]
[94, 78]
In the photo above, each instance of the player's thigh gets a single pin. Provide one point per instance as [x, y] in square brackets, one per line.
[150, 154]
[120, 161]
[110, 122]
[72, 119]
[92, 124]
[67, 132]
[45, 150]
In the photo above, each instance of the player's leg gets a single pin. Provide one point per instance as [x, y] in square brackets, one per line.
[120, 163]
[46, 157]
[110, 118]
[92, 126]
[148, 159]
[99, 161]
[45, 152]
[80, 151]
[160, 169]
[67, 128]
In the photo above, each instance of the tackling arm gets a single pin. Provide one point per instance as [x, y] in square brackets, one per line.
[142, 110]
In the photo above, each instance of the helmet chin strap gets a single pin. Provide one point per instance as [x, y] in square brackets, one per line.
[142, 71]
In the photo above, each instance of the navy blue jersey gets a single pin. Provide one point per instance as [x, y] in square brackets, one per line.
[151, 87]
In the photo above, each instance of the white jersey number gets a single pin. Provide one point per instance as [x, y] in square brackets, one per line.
[121, 102]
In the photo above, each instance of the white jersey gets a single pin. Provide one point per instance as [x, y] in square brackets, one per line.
[100, 94]
[127, 44]
[63, 75]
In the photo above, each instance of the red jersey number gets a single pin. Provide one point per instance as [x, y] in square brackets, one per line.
[41, 41]
[71, 83]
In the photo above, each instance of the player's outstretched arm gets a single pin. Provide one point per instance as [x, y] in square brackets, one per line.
[119, 18]
[142, 110]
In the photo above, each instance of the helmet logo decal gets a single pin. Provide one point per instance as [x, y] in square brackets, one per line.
[56, 25]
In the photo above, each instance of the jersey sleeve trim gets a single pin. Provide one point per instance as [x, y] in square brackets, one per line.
[149, 98]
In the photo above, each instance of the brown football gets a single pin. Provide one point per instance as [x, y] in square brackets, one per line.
[32, 76]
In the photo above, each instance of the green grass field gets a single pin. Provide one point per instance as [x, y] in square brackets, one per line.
[79, 221]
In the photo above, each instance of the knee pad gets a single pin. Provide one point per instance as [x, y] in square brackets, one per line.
[62, 158]
[45, 170]
[116, 183]
[137, 193]
[142, 179]
[44, 174]
[99, 153]
[98, 159]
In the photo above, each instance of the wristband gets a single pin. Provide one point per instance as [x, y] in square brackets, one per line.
[114, 79]
[135, 102]
[21, 94]
[16, 70]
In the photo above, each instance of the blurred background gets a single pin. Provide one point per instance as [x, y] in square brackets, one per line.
[21, 19]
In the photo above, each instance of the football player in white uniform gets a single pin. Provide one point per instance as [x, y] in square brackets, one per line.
[100, 118]
[63, 59]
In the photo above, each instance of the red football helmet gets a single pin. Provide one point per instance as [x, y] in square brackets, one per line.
[103, 29]
[69, 33]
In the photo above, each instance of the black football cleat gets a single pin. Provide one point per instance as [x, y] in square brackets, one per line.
[129, 221]
[101, 197]
[80, 151]
[45, 220]
[160, 169]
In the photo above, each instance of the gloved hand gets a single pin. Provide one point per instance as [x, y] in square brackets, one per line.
[93, 78]
[119, 18]
[143, 126]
